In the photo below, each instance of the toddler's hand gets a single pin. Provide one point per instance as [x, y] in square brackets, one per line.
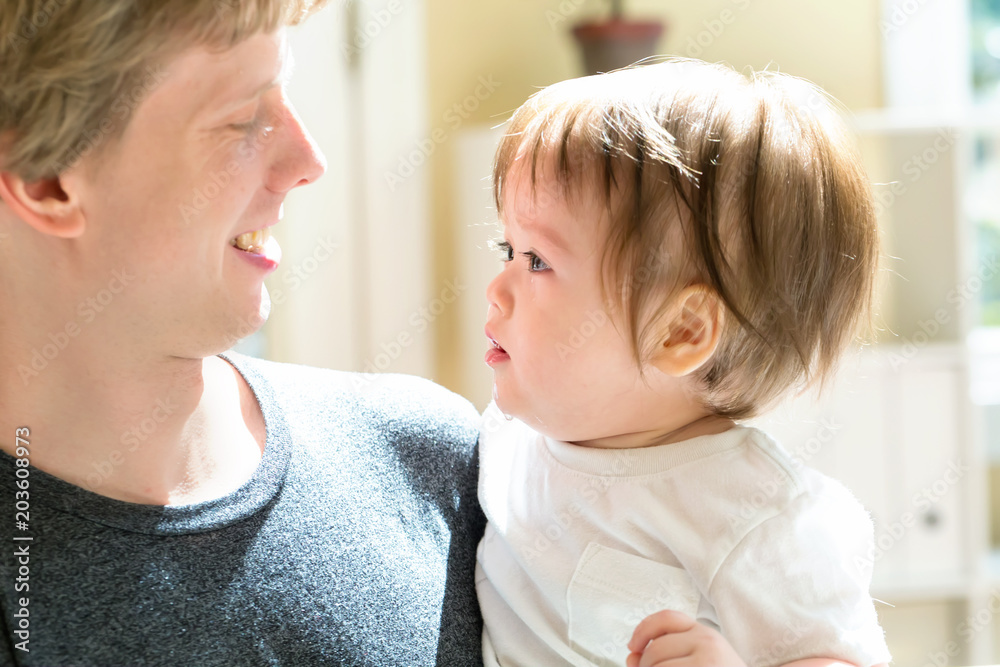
[673, 636]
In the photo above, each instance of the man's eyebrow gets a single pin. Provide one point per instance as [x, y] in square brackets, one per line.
[284, 76]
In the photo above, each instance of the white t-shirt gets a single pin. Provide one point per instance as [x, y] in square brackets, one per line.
[584, 543]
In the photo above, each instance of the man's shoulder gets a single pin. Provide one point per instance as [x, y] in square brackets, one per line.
[401, 406]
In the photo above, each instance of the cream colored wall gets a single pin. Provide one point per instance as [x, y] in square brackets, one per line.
[516, 46]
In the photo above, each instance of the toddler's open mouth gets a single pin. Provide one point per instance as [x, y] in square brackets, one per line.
[496, 354]
[496, 346]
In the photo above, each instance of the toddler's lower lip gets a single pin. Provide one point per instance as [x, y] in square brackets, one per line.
[496, 356]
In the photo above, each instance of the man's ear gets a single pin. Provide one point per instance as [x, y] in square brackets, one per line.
[43, 204]
[691, 328]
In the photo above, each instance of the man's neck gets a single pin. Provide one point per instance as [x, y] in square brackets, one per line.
[167, 431]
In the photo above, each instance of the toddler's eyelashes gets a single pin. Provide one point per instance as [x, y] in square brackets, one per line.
[535, 263]
[505, 249]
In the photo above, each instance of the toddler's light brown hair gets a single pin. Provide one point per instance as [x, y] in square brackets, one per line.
[749, 185]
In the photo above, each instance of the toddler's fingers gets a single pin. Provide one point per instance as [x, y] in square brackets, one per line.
[656, 625]
[667, 648]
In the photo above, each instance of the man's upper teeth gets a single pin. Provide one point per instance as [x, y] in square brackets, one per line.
[252, 241]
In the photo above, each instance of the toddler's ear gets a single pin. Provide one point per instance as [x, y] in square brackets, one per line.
[691, 330]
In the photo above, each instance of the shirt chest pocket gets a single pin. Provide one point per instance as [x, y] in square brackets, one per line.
[611, 591]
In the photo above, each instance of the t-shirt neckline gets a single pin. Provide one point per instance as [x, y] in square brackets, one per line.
[641, 461]
[255, 494]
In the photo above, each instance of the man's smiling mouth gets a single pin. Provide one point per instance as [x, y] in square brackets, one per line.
[252, 242]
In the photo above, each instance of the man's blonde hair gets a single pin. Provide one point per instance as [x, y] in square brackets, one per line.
[71, 71]
[747, 184]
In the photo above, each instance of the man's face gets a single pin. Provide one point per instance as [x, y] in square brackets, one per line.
[208, 155]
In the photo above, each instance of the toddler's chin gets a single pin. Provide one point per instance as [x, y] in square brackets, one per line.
[524, 411]
[503, 400]
[509, 408]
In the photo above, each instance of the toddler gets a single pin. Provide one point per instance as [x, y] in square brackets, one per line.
[684, 247]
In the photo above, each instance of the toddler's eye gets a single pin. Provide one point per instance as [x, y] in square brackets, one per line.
[535, 263]
[505, 249]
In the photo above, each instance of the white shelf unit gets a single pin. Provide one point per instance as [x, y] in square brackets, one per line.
[921, 164]
[898, 429]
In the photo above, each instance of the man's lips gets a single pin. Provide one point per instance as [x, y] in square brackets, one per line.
[259, 248]
[260, 228]
[257, 236]
[267, 257]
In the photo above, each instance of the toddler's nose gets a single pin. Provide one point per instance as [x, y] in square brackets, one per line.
[498, 295]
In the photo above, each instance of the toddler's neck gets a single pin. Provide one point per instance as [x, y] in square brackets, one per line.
[708, 424]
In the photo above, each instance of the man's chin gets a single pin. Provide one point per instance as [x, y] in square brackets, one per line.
[256, 318]
[264, 307]
[240, 325]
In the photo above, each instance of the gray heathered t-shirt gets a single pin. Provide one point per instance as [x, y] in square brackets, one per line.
[353, 544]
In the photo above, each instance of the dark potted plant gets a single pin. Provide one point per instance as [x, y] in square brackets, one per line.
[616, 42]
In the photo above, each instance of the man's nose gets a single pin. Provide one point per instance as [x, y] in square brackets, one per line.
[298, 160]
